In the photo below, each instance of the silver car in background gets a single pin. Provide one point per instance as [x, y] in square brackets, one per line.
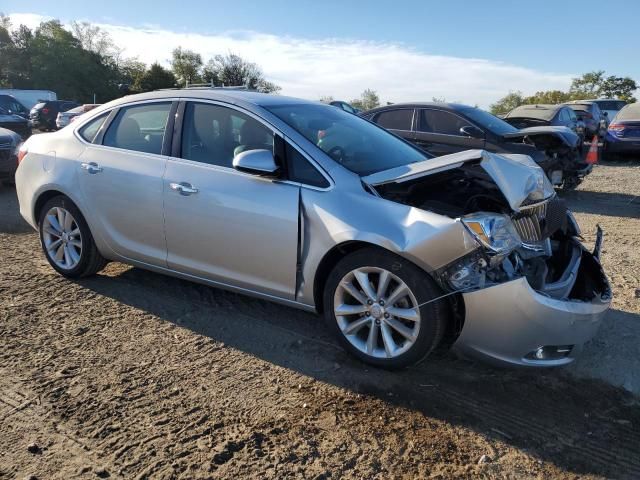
[65, 118]
[305, 204]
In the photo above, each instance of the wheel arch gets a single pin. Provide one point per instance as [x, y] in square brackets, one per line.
[335, 254]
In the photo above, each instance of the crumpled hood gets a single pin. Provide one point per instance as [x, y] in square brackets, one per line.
[519, 178]
[565, 134]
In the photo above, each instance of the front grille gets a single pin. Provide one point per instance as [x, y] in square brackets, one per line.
[538, 222]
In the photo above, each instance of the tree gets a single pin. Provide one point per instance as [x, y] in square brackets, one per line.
[326, 99]
[186, 65]
[130, 72]
[94, 39]
[155, 78]
[548, 96]
[619, 87]
[233, 70]
[368, 99]
[507, 103]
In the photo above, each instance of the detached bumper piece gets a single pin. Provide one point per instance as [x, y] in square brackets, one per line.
[513, 324]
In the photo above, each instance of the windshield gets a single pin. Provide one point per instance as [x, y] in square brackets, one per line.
[489, 121]
[355, 143]
[611, 104]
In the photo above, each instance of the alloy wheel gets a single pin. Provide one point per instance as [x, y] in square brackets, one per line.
[62, 238]
[377, 312]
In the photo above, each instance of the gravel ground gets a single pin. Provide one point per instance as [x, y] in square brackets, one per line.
[130, 374]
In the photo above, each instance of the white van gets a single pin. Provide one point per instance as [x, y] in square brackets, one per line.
[29, 97]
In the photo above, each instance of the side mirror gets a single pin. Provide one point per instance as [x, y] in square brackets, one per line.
[473, 132]
[256, 162]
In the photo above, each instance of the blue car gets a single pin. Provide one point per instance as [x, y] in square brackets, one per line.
[623, 134]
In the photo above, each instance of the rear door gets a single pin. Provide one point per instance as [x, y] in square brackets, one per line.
[224, 225]
[438, 132]
[121, 181]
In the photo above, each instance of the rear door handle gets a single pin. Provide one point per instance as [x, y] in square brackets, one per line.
[183, 188]
[91, 167]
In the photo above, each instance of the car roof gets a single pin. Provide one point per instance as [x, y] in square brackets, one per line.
[441, 105]
[630, 111]
[221, 94]
[540, 110]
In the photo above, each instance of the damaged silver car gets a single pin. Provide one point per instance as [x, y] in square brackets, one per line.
[305, 204]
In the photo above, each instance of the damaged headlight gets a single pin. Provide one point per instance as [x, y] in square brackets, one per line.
[494, 231]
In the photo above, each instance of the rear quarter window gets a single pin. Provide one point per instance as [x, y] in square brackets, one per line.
[91, 129]
[395, 119]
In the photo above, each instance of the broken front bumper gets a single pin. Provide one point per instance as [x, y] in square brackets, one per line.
[512, 324]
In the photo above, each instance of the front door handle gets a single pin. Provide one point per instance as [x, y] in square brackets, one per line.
[91, 167]
[183, 188]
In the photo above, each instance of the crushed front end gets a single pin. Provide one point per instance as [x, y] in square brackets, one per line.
[531, 293]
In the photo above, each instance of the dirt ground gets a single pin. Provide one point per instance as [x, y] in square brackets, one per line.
[130, 374]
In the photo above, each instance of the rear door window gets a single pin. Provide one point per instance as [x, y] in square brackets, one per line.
[395, 119]
[91, 129]
[441, 122]
[139, 128]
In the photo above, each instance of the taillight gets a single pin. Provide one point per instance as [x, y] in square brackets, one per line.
[45, 111]
[22, 151]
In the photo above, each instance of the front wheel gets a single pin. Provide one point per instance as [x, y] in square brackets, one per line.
[376, 304]
[67, 241]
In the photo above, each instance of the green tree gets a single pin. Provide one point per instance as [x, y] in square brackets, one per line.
[368, 99]
[155, 78]
[186, 66]
[548, 96]
[233, 70]
[619, 87]
[507, 103]
[326, 99]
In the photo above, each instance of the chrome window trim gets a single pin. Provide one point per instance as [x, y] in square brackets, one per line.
[109, 111]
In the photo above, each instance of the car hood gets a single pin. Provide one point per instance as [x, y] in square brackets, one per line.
[564, 134]
[519, 178]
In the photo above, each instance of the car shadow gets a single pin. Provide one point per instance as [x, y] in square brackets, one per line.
[10, 222]
[603, 203]
[559, 418]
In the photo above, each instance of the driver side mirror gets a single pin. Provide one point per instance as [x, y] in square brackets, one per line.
[473, 132]
[256, 162]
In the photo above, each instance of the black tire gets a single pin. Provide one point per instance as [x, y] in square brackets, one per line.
[91, 261]
[434, 316]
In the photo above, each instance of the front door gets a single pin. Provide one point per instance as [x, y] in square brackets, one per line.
[227, 226]
[438, 132]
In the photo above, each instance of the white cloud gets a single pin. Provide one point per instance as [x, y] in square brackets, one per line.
[341, 68]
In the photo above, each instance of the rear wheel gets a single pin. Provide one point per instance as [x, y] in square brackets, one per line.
[67, 241]
[375, 302]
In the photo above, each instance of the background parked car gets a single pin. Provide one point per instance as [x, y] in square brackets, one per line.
[444, 128]
[10, 105]
[594, 120]
[29, 98]
[65, 118]
[9, 143]
[623, 134]
[526, 116]
[610, 107]
[43, 115]
[16, 123]
[347, 107]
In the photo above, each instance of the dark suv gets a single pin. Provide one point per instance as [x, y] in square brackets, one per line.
[43, 115]
[589, 112]
[12, 106]
[444, 128]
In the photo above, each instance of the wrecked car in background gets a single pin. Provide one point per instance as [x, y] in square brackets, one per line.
[443, 128]
[308, 205]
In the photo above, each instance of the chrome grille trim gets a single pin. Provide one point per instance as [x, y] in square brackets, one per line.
[527, 222]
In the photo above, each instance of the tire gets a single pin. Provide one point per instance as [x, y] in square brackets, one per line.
[432, 320]
[83, 261]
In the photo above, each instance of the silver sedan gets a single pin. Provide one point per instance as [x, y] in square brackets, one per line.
[307, 205]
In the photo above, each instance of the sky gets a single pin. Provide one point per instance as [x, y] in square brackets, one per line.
[473, 52]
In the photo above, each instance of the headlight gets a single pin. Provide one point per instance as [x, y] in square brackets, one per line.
[494, 231]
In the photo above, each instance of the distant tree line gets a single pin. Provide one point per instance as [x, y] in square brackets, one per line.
[368, 99]
[83, 60]
[590, 85]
